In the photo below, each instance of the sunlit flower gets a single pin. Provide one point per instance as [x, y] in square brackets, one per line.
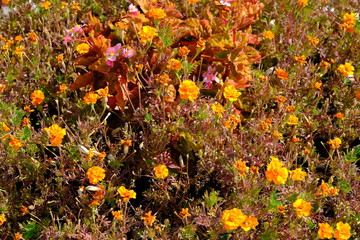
[117, 215]
[126, 194]
[75, 6]
[313, 41]
[46, 5]
[346, 69]
[294, 139]
[147, 33]
[339, 115]
[15, 143]
[25, 122]
[231, 93]
[82, 48]
[19, 51]
[174, 64]
[188, 90]
[268, 34]
[324, 64]
[28, 109]
[94, 203]
[277, 135]
[5, 2]
[318, 85]
[149, 219]
[232, 122]
[232, 219]
[2, 219]
[161, 171]
[300, 59]
[302, 207]
[302, 3]
[18, 236]
[349, 18]
[298, 174]
[293, 120]
[3, 127]
[60, 58]
[157, 13]
[95, 174]
[37, 97]
[325, 231]
[32, 37]
[112, 52]
[280, 100]
[183, 51]
[241, 167]
[276, 172]
[307, 151]
[184, 213]
[290, 109]
[18, 38]
[56, 134]
[201, 43]
[64, 5]
[133, 9]
[281, 74]
[90, 98]
[249, 222]
[324, 190]
[218, 109]
[342, 231]
[226, 2]
[334, 143]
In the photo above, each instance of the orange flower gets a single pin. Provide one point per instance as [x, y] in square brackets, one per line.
[2, 219]
[349, 18]
[282, 209]
[157, 13]
[325, 190]
[18, 38]
[149, 219]
[302, 207]
[174, 64]
[32, 37]
[64, 4]
[161, 171]
[18, 236]
[302, 3]
[231, 93]
[60, 58]
[268, 34]
[15, 143]
[25, 122]
[339, 115]
[184, 213]
[192, 1]
[218, 109]
[3, 127]
[276, 172]
[188, 90]
[62, 88]
[313, 41]
[325, 231]
[126, 142]
[318, 85]
[241, 167]
[37, 97]
[249, 222]
[103, 92]
[28, 109]
[342, 231]
[56, 134]
[346, 69]
[46, 5]
[290, 109]
[117, 215]
[147, 33]
[300, 59]
[163, 79]
[19, 51]
[293, 120]
[232, 122]
[126, 194]
[281, 74]
[232, 219]
[277, 135]
[298, 174]
[82, 48]
[75, 7]
[334, 143]
[95, 174]
[183, 51]
[24, 210]
[2, 87]
[5, 1]
[90, 98]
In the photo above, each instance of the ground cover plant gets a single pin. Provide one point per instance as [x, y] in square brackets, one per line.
[189, 119]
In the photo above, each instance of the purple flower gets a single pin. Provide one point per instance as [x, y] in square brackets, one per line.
[226, 2]
[112, 52]
[210, 76]
[128, 52]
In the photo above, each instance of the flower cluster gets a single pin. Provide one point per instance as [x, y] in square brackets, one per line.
[234, 218]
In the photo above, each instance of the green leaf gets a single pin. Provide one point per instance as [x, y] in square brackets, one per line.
[273, 202]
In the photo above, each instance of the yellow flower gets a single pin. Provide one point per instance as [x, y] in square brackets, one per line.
[241, 167]
[174, 64]
[302, 207]
[56, 134]
[276, 172]
[15, 143]
[37, 97]
[19, 38]
[232, 122]
[293, 120]
[324, 64]
[161, 171]
[19, 51]
[325, 190]
[268, 34]
[46, 5]
[157, 13]
[163, 79]
[82, 48]
[32, 37]
[188, 90]
[28, 109]
[117, 215]
[184, 213]
[232, 219]
[95, 174]
[325, 231]
[342, 231]
[349, 18]
[3, 127]
[126, 194]
[346, 69]
[149, 219]
[282, 209]
[313, 41]
[334, 143]
[103, 92]
[281, 74]
[339, 115]
[300, 59]
[192, 1]
[5, 1]
[318, 85]
[231, 93]
[90, 98]
[2, 219]
[64, 4]
[147, 33]
[302, 3]
[249, 222]
[298, 174]
[218, 109]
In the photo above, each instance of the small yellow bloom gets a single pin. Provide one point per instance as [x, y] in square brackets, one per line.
[46, 5]
[161, 171]
[75, 7]
[174, 64]
[346, 69]
[349, 18]
[149, 219]
[282, 209]
[342, 231]
[293, 120]
[126, 194]
[231, 93]
[232, 219]
[290, 109]
[218, 109]
[324, 190]
[298, 174]
[157, 13]
[90, 98]
[19, 51]
[25, 122]
[318, 85]
[268, 34]
[2, 87]
[18, 38]
[281, 74]
[63, 87]
[334, 143]
[188, 90]
[126, 142]
[37, 97]
[184, 213]
[4, 127]
[2, 219]
[147, 33]
[249, 222]
[5, 1]
[82, 48]
[313, 41]
[15, 143]
[300, 59]
[95, 174]
[232, 122]
[28, 109]
[56, 134]
[103, 92]
[302, 3]
[64, 4]
[276, 172]
[302, 207]
[117, 215]
[192, 1]
[325, 231]
[163, 79]
[241, 167]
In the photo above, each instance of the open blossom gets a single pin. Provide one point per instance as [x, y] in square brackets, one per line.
[32, 37]
[298, 174]
[188, 90]
[192, 1]
[302, 207]
[281, 74]
[19, 51]
[157, 13]
[342, 231]
[313, 41]
[90, 97]
[117, 215]
[232, 122]
[128, 52]
[126, 194]
[56, 134]
[346, 69]
[15, 143]
[349, 22]
[300, 59]
[339, 115]
[218, 109]
[174, 64]
[241, 167]
[249, 222]
[232, 219]
[147, 33]
[161, 171]
[46, 5]
[95, 174]
[112, 52]
[293, 120]
[324, 190]
[303, 3]
[268, 34]
[325, 231]
[149, 219]
[231, 93]
[276, 172]
[2, 219]
[133, 9]
[37, 97]
[183, 51]
[334, 143]
[184, 213]
[318, 85]
[82, 48]
[226, 2]
[210, 76]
